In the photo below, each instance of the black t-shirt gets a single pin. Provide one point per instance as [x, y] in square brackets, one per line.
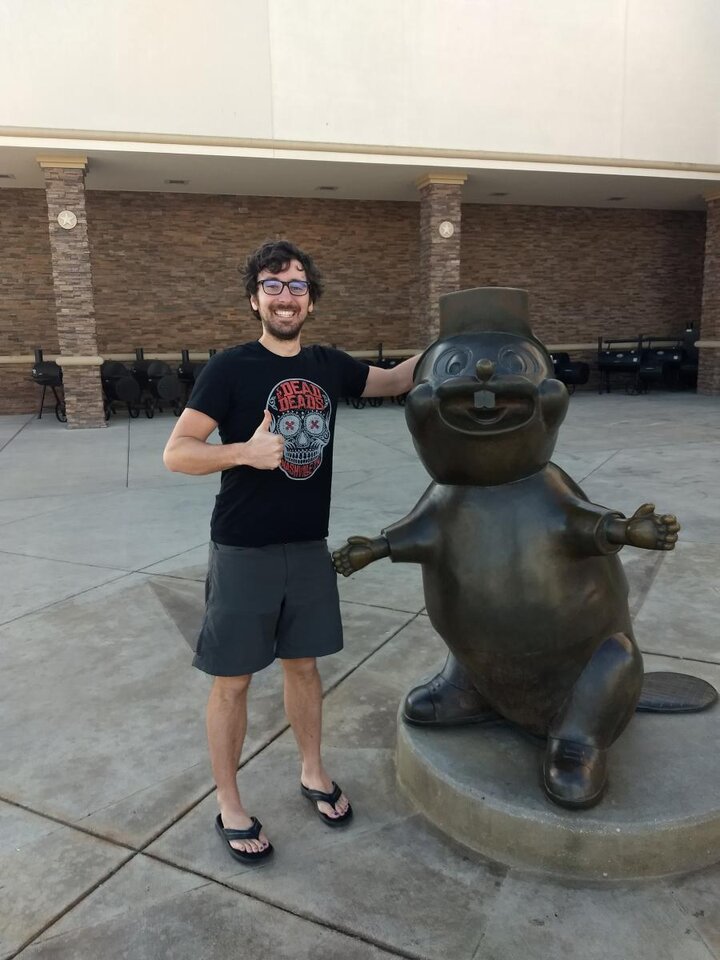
[292, 503]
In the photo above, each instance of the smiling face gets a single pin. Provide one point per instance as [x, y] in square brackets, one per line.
[282, 314]
[485, 408]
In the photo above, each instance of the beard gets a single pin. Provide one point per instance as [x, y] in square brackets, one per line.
[286, 329]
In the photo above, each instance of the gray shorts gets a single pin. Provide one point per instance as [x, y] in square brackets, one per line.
[267, 602]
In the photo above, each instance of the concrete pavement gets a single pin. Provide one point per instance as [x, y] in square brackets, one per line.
[106, 805]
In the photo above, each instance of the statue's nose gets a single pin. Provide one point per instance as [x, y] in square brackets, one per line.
[484, 369]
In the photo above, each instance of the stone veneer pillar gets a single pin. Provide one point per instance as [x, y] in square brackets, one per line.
[73, 286]
[709, 342]
[440, 205]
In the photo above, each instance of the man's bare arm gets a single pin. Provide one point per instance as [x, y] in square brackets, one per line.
[187, 450]
[392, 382]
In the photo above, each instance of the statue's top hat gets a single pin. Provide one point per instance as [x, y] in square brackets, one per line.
[500, 309]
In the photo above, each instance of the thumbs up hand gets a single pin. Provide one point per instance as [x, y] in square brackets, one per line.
[264, 450]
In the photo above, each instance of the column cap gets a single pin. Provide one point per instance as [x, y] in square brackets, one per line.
[71, 163]
[448, 179]
[711, 195]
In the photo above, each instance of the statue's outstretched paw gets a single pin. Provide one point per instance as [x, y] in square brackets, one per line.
[439, 703]
[574, 774]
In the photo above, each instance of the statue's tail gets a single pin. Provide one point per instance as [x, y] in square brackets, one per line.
[665, 692]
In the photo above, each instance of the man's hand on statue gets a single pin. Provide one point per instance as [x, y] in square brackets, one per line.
[356, 554]
[264, 450]
[647, 530]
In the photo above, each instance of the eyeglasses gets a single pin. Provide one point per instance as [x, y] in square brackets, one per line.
[298, 288]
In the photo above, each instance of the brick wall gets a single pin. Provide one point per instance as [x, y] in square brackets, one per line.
[166, 268]
[27, 303]
[590, 272]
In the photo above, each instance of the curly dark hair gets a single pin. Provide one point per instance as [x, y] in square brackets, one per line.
[275, 255]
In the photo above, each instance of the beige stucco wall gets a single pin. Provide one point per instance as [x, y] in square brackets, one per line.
[635, 79]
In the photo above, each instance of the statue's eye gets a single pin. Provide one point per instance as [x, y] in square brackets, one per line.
[452, 363]
[511, 360]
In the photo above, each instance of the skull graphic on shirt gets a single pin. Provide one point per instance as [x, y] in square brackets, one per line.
[300, 412]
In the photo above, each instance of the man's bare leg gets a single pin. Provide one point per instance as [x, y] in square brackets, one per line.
[303, 706]
[226, 726]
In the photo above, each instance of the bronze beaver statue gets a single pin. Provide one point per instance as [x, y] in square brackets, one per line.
[520, 570]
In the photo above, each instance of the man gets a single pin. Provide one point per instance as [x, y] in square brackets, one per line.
[271, 590]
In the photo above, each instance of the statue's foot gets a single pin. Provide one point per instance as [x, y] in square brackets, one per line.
[574, 774]
[440, 703]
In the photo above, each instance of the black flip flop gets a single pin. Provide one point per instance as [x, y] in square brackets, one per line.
[317, 796]
[252, 833]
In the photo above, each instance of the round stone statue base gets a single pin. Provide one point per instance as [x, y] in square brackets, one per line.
[660, 815]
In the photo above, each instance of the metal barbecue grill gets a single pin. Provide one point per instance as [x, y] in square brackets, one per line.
[120, 387]
[570, 372]
[377, 361]
[46, 373]
[618, 357]
[188, 371]
[158, 385]
[660, 360]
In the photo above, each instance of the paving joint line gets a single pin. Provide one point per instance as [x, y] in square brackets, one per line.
[30, 516]
[299, 915]
[600, 465]
[71, 906]
[272, 739]
[102, 566]
[143, 848]
[73, 496]
[678, 656]
[17, 432]
[173, 556]
[379, 606]
[77, 563]
[655, 571]
[170, 576]
[74, 825]
[72, 596]
[691, 919]
[71, 825]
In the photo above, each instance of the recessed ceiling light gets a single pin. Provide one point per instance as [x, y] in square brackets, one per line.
[616, 198]
[177, 182]
[326, 188]
[7, 176]
[498, 193]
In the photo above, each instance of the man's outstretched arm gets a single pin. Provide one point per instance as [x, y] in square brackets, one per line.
[393, 382]
[187, 450]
